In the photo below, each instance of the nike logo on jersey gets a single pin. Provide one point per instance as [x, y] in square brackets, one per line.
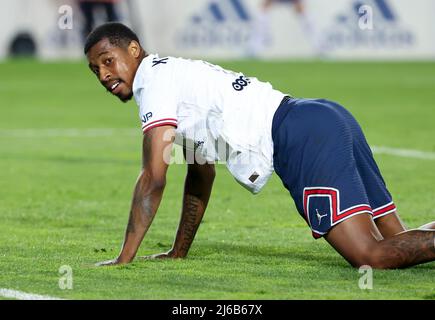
[319, 216]
[159, 61]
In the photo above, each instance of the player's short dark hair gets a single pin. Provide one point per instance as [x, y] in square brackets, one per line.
[118, 34]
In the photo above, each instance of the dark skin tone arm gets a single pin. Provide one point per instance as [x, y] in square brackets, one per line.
[197, 189]
[115, 68]
[147, 193]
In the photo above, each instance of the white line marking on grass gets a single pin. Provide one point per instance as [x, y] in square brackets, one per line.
[14, 294]
[70, 132]
[405, 153]
[106, 132]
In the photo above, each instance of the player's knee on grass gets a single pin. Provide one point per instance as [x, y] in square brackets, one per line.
[375, 256]
[356, 240]
[372, 255]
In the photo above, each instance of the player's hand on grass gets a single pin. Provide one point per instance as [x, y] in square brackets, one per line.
[106, 263]
[165, 255]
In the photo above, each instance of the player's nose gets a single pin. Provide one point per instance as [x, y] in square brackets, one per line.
[104, 75]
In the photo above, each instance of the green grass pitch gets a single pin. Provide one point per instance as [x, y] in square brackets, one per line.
[70, 154]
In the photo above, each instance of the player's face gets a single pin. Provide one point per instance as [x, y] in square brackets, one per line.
[115, 67]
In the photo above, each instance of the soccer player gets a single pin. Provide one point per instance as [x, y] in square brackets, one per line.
[314, 145]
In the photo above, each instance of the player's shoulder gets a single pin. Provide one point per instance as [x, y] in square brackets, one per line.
[148, 73]
[152, 64]
[157, 79]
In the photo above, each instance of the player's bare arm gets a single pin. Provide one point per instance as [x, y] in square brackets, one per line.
[148, 191]
[197, 189]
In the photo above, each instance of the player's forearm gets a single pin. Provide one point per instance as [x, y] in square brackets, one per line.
[197, 192]
[146, 200]
[406, 249]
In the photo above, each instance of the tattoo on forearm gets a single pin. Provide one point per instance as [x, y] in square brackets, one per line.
[411, 248]
[130, 226]
[190, 223]
[141, 206]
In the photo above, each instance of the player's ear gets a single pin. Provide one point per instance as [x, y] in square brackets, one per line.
[134, 49]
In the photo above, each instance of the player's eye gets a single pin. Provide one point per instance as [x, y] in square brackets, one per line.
[108, 61]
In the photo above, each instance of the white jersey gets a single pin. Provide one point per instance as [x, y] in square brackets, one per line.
[222, 115]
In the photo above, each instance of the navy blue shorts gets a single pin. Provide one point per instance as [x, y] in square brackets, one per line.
[323, 159]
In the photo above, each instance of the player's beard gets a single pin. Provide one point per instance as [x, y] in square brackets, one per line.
[123, 98]
[126, 98]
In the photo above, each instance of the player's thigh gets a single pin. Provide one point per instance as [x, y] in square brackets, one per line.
[390, 225]
[355, 239]
[313, 156]
[380, 199]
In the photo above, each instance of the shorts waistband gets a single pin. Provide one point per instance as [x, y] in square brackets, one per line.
[283, 109]
[285, 100]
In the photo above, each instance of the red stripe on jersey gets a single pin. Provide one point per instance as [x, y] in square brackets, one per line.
[152, 122]
[148, 128]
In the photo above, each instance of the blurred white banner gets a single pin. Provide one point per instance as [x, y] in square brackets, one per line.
[232, 29]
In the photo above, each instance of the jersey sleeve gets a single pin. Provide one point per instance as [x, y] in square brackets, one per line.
[157, 108]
